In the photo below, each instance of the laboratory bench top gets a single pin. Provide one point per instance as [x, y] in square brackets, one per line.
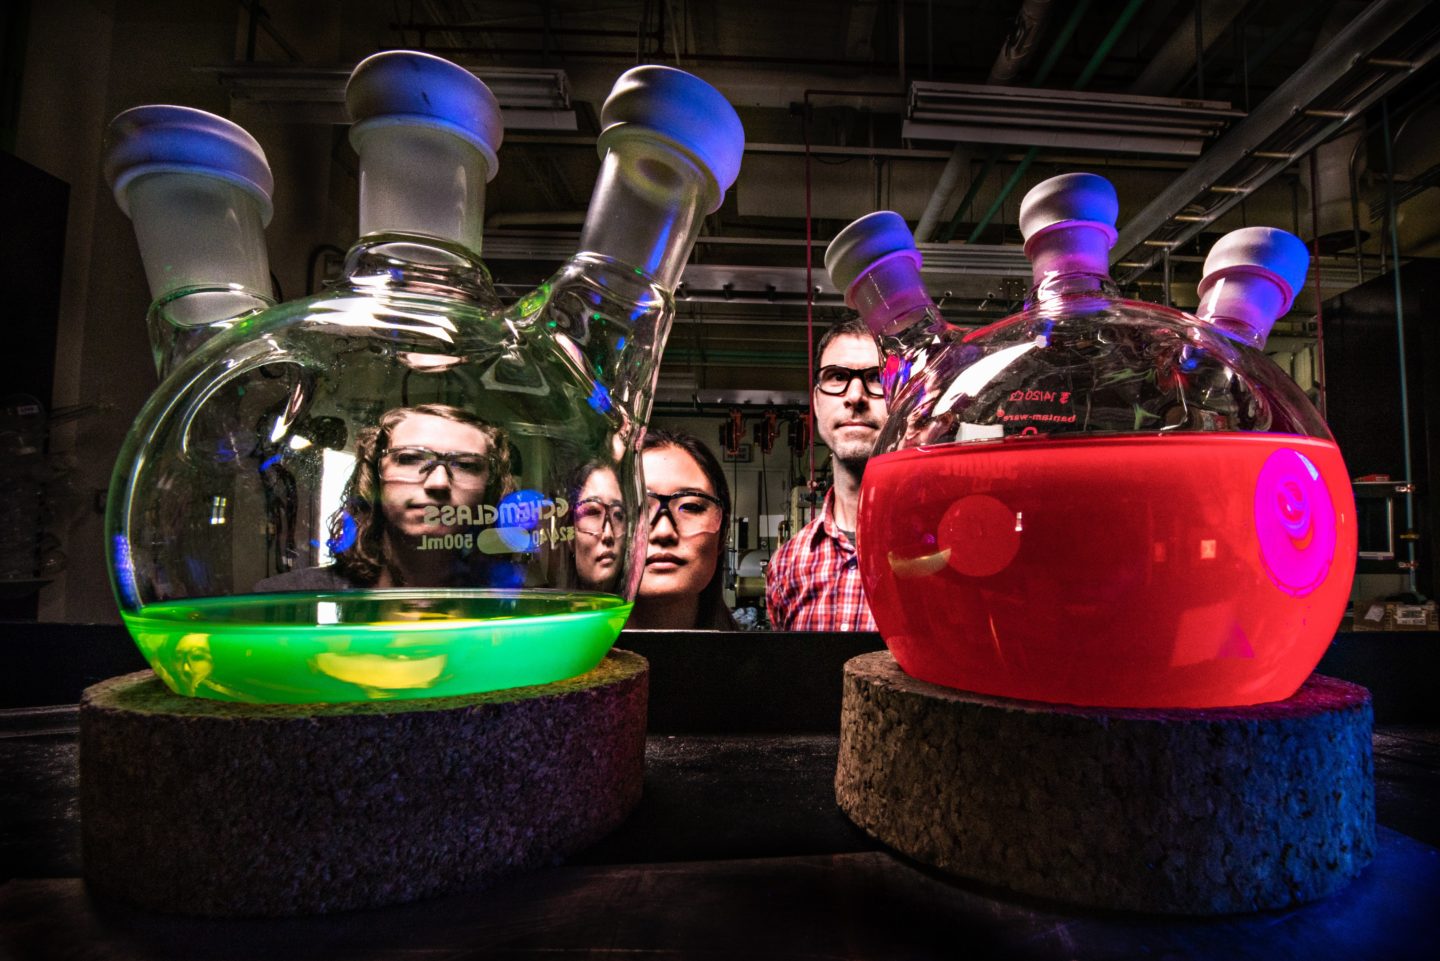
[736, 850]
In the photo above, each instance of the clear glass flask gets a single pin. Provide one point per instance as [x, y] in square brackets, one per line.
[1103, 502]
[387, 490]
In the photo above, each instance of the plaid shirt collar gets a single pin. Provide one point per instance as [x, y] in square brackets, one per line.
[828, 528]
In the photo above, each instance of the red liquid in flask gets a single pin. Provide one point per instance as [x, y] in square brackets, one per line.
[1182, 570]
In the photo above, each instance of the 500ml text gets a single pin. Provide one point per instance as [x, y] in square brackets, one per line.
[448, 542]
[465, 540]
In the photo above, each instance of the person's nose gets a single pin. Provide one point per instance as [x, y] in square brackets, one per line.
[438, 480]
[663, 531]
[855, 396]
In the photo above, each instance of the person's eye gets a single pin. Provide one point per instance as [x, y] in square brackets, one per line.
[408, 458]
[589, 511]
[469, 465]
[693, 505]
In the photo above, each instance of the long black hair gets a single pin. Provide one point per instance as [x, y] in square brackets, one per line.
[711, 612]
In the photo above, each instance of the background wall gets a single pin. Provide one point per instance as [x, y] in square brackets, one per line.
[821, 88]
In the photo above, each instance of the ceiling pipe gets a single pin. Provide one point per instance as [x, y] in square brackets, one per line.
[1102, 50]
[1176, 57]
[1288, 105]
[1330, 166]
[1017, 50]
[1042, 73]
[1390, 216]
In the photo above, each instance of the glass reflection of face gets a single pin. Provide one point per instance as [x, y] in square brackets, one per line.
[193, 661]
[676, 563]
[410, 481]
[599, 530]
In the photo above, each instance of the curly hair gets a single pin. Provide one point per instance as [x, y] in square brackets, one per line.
[357, 531]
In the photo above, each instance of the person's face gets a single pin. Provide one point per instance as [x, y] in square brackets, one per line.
[597, 553]
[676, 563]
[849, 423]
[403, 502]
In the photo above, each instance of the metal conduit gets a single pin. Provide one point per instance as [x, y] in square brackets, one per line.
[1245, 158]
[947, 233]
[1096, 59]
[1017, 50]
[1390, 212]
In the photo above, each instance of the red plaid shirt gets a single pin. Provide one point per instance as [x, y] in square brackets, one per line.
[813, 581]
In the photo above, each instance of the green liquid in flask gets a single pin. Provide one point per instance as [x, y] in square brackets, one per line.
[305, 648]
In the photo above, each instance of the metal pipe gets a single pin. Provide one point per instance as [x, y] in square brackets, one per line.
[948, 233]
[1017, 50]
[1067, 30]
[959, 159]
[1377, 23]
[1004, 194]
[1319, 301]
[1399, 336]
[809, 289]
[1102, 50]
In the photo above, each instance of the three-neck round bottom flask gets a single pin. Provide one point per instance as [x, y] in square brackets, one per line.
[1098, 501]
[396, 488]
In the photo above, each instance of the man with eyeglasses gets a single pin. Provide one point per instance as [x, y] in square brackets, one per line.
[813, 581]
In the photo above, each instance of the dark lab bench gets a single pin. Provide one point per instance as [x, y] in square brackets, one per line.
[736, 851]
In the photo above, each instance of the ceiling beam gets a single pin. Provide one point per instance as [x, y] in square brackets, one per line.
[1329, 91]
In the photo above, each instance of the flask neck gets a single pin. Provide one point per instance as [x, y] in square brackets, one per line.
[1071, 257]
[1051, 288]
[187, 317]
[418, 264]
[445, 202]
[647, 209]
[890, 296]
[199, 233]
[1243, 303]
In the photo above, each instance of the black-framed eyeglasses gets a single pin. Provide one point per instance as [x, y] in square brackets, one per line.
[690, 512]
[835, 380]
[414, 464]
[593, 514]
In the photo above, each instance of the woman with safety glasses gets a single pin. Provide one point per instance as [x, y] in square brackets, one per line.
[599, 527]
[687, 515]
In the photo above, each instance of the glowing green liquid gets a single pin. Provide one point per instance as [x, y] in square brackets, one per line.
[366, 645]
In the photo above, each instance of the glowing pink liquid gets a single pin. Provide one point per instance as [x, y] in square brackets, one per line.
[1183, 570]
